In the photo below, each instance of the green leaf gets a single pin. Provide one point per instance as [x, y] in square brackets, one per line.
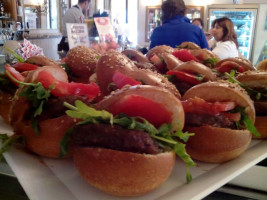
[7, 142]
[64, 143]
[211, 61]
[19, 58]
[35, 126]
[249, 125]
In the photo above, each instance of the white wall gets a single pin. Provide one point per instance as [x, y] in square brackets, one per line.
[260, 36]
[144, 3]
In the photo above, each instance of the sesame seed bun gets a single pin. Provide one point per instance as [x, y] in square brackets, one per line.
[82, 61]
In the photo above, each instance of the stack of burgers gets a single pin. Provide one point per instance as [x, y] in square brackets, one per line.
[125, 117]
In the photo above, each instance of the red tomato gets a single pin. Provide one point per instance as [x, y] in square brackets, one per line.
[185, 77]
[121, 80]
[14, 73]
[234, 117]
[60, 88]
[184, 55]
[133, 105]
[21, 67]
[198, 105]
[227, 66]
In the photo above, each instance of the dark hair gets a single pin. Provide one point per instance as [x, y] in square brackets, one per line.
[171, 8]
[200, 21]
[82, 1]
[228, 29]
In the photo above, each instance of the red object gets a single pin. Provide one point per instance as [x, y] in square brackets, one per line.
[198, 105]
[21, 67]
[227, 66]
[60, 88]
[185, 77]
[14, 73]
[133, 105]
[121, 80]
[184, 55]
[234, 117]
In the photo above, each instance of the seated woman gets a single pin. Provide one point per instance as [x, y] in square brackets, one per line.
[226, 38]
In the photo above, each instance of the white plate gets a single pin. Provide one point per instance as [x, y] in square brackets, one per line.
[44, 178]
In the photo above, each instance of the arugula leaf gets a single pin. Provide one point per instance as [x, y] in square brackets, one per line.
[64, 143]
[19, 58]
[163, 135]
[200, 77]
[7, 142]
[245, 121]
[211, 61]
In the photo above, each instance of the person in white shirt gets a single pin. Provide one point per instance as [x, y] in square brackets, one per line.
[226, 38]
[74, 15]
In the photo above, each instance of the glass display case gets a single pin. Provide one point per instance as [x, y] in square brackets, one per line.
[244, 25]
[153, 17]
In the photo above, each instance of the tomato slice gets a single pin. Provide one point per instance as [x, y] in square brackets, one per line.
[134, 105]
[234, 117]
[184, 55]
[121, 80]
[14, 73]
[227, 66]
[21, 67]
[60, 88]
[185, 77]
[198, 105]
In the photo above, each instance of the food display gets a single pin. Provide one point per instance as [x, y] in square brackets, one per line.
[124, 119]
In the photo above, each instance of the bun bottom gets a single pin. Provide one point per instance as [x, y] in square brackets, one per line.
[123, 173]
[217, 145]
[51, 132]
[261, 125]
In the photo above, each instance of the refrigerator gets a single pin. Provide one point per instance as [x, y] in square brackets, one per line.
[244, 19]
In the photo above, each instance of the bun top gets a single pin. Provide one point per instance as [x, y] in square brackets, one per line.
[82, 60]
[41, 61]
[240, 61]
[159, 50]
[223, 91]
[158, 95]
[135, 55]
[189, 45]
[196, 67]
[262, 65]
[253, 79]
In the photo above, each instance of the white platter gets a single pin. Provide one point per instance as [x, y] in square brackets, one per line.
[44, 178]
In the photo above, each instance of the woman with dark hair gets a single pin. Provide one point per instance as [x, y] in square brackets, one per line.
[198, 22]
[226, 38]
[176, 27]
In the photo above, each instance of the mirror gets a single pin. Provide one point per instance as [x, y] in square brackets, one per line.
[41, 14]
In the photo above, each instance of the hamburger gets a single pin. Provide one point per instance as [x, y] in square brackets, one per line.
[37, 112]
[189, 74]
[115, 70]
[255, 83]
[221, 115]
[127, 154]
[239, 65]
